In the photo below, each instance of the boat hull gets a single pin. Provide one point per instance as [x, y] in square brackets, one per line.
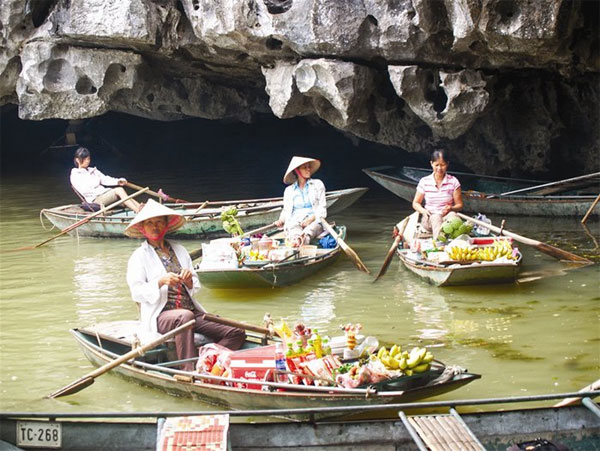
[405, 188]
[242, 398]
[270, 275]
[203, 224]
[473, 274]
[575, 427]
[263, 278]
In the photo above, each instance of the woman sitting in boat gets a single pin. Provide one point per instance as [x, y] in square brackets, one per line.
[304, 202]
[441, 193]
[93, 184]
[161, 280]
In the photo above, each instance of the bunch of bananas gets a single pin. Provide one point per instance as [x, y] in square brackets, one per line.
[418, 360]
[463, 253]
[501, 248]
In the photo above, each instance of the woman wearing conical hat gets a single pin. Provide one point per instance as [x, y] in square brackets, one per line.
[303, 201]
[161, 280]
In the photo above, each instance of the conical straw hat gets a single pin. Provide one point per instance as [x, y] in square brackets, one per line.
[290, 176]
[152, 209]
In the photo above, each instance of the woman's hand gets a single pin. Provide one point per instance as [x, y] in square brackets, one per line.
[279, 223]
[171, 279]
[307, 221]
[447, 209]
[122, 181]
[186, 277]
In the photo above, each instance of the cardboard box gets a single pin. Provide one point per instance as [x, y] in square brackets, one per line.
[253, 364]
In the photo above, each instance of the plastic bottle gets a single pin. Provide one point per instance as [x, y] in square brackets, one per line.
[326, 346]
[311, 346]
[299, 348]
[280, 363]
[317, 344]
[290, 351]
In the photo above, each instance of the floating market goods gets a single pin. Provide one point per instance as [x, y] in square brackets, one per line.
[418, 360]
[230, 223]
[500, 248]
[453, 228]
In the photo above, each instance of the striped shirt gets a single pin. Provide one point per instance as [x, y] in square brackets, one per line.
[436, 199]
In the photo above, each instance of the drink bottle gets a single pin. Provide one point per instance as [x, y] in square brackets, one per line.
[280, 364]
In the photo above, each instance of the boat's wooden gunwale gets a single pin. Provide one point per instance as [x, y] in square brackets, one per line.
[477, 201]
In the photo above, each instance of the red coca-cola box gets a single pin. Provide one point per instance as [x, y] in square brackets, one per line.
[253, 364]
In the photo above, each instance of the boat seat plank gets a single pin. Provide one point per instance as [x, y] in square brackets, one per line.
[430, 435]
[444, 433]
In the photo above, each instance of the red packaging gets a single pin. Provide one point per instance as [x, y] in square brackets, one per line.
[253, 364]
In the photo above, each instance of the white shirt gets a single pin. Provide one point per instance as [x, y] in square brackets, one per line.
[89, 182]
[316, 196]
[143, 271]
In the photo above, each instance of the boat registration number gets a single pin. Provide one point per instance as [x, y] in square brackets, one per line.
[39, 434]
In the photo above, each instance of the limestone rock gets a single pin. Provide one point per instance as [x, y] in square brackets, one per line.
[409, 73]
[70, 82]
[448, 102]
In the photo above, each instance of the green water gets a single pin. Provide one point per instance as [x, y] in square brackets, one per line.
[536, 337]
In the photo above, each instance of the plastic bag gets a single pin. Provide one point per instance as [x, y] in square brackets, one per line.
[219, 255]
[213, 358]
[480, 230]
[327, 242]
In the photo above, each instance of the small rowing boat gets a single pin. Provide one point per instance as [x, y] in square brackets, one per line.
[203, 219]
[269, 274]
[499, 195]
[449, 272]
[106, 342]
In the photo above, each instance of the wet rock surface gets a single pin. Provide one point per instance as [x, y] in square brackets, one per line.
[510, 87]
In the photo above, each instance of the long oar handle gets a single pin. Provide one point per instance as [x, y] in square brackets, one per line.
[84, 381]
[589, 212]
[546, 185]
[260, 229]
[238, 324]
[542, 247]
[155, 194]
[93, 215]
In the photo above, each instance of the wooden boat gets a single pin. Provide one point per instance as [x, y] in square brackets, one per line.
[266, 274]
[202, 223]
[576, 427]
[105, 342]
[482, 193]
[451, 273]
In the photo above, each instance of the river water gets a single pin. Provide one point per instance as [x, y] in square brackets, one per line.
[536, 337]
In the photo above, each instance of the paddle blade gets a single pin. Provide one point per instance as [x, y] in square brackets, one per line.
[561, 254]
[73, 387]
[388, 257]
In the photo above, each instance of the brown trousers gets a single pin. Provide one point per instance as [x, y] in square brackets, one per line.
[230, 337]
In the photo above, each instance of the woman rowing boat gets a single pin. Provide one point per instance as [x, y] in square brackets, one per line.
[441, 193]
[93, 185]
[304, 202]
[162, 281]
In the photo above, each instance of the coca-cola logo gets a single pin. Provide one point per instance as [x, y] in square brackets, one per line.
[251, 374]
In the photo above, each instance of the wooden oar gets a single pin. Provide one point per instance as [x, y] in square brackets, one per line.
[204, 204]
[84, 220]
[542, 247]
[547, 185]
[88, 379]
[155, 194]
[589, 212]
[390, 254]
[347, 249]
[572, 401]
[234, 323]
[260, 229]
